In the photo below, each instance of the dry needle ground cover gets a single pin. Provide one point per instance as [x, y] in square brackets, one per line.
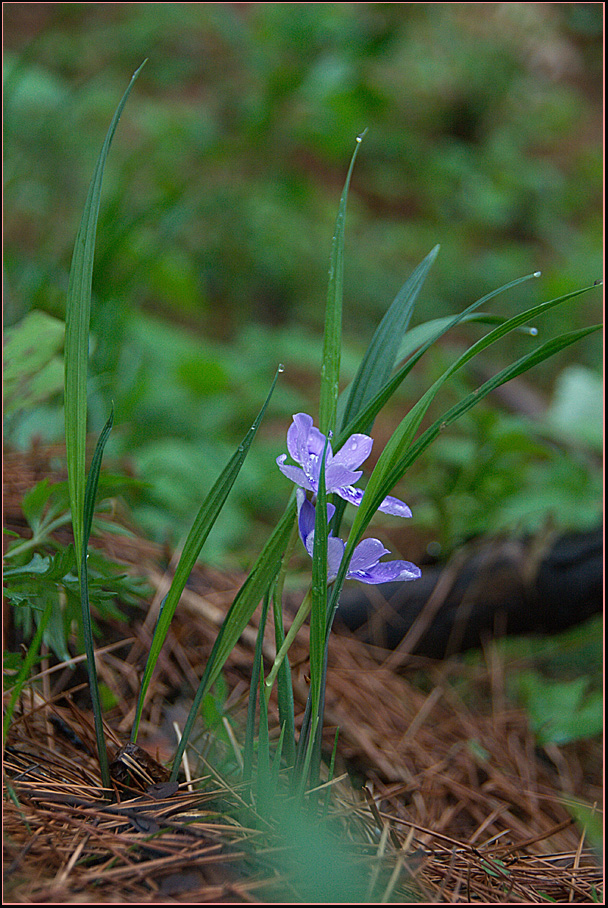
[439, 790]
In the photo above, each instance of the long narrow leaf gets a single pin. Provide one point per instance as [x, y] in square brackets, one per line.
[361, 421]
[545, 351]
[87, 629]
[381, 354]
[245, 603]
[394, 459]
[362, 415]
[254, 685]
[77, 319]
[299, 619]
[408, 456]
[315, 761]
[30, 658]
[332, 338]
[380, 482]
[263, 775]
[285, 699]
[426, 331]
[201, 528]
[318, 609]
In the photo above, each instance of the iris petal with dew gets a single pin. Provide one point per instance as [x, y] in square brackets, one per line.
[365, 564]
[306, 443]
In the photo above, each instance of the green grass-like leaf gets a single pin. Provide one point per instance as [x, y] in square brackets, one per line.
[257, 673]
[398, 456]
[332, 337]
[246, 601]
[382, 352]
[199, 532]
[318, 611]
[361, 420]
[285, 699]
[77, 321]
[389, 468]
[87, 628]
[372, 379]
[263, 775]
[26, 666]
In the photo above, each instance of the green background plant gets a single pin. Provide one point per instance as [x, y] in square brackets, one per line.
[184, 392]
[220, 197]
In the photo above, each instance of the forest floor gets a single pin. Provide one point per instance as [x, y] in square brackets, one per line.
[439, 785]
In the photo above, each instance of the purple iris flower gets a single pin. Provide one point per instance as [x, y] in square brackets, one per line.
[306, 444]
[365, 564]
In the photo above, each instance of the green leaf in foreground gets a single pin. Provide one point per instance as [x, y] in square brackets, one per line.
[401, 457]
[362, 419]
[389, 468]
[245, 603]
[77, 321]
[201, 528]
[87, 628]
[381, 354]
[24, 671]
[332, 337]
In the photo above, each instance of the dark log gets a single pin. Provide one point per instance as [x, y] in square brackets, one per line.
[493, 588]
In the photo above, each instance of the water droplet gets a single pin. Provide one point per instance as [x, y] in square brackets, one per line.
[281, 367]
[537, 274]
[533, 331]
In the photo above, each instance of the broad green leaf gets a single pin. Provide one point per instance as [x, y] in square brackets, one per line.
[332, 338]
[201, 528]
[30, 344]
[34, 501]
[561, 711]
[577, 409]
[33, 366]
[50, 568]
[78, 311]
[589, 818]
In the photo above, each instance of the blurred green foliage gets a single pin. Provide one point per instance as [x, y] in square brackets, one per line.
[218, 206]
[40, 569]
[559, 680]
[561, 711]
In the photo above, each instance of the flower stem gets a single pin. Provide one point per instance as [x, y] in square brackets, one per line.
[297, 623]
